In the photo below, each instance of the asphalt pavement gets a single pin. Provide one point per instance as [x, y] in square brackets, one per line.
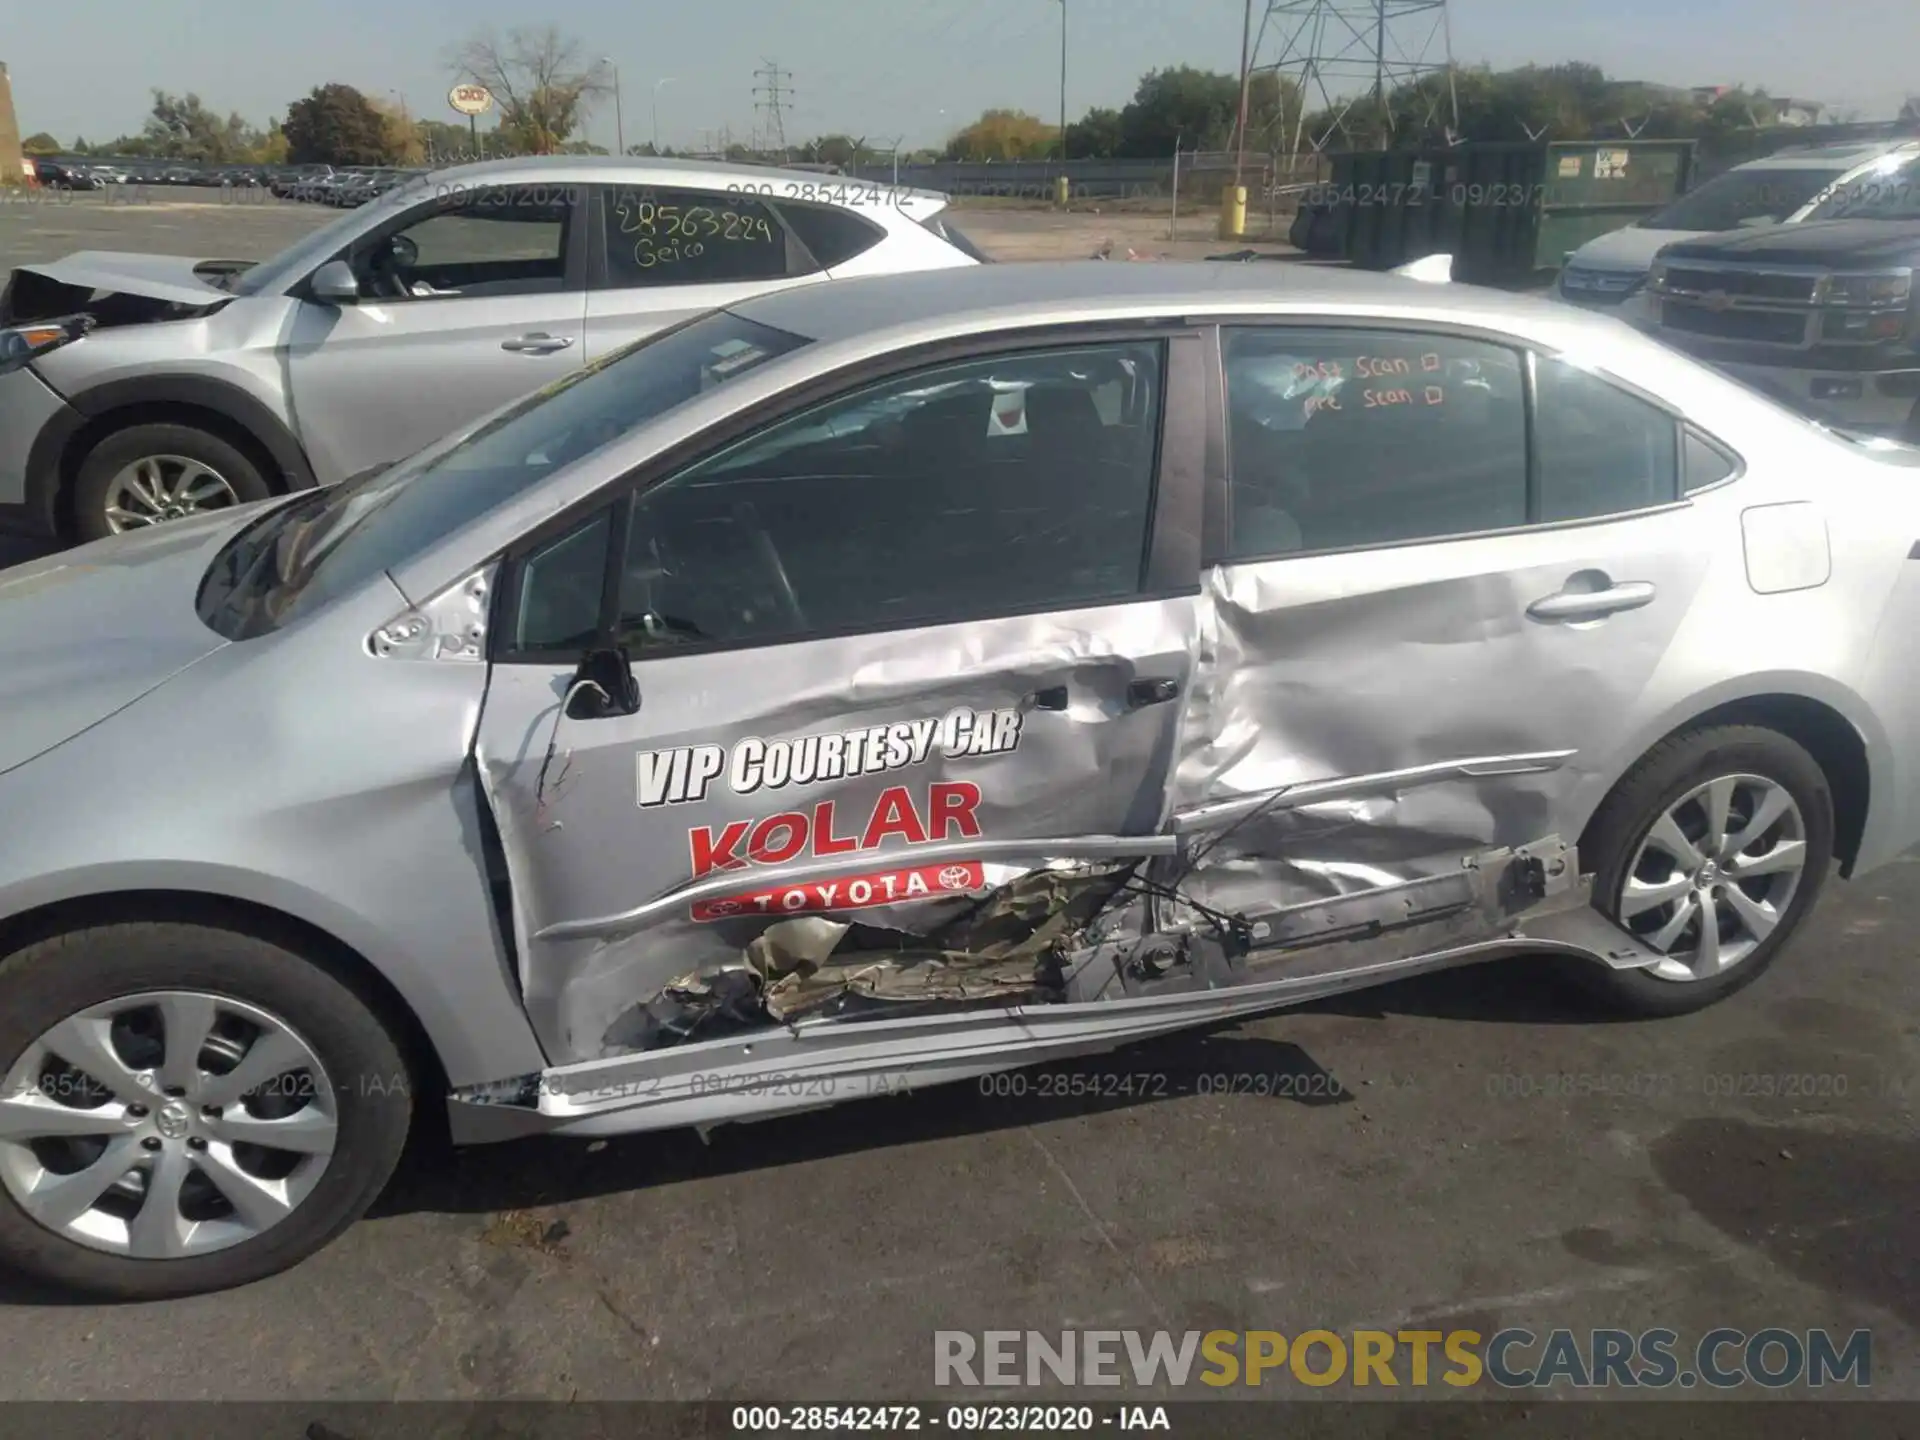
[1473, 1150]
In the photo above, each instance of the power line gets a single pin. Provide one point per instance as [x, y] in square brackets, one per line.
[775, 84]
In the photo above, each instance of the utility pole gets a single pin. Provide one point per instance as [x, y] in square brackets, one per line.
[779, 92]
[619, 120]
[1246, 87]
[1380, 54]
[1063, 85]
[658, 85]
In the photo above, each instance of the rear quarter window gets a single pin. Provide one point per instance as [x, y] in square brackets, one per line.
[832, 234]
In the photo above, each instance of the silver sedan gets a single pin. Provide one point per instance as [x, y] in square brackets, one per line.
[886, 684]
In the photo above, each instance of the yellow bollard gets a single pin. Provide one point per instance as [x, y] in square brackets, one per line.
[1061, 190]
[1233, 212]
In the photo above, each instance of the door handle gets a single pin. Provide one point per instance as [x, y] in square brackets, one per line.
[1054, 697]
[536, 343]
[1592, 604]
[1151, 692]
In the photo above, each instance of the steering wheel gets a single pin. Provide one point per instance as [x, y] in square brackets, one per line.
[395, 255]
[764, 551]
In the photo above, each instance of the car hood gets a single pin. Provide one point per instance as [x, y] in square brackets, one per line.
[177, 279]
[1819, 242]
[1629, 250]
[86, 633]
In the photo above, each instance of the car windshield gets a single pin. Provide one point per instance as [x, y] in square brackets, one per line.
[1888, 192]
[1744, 197]
[332, 541]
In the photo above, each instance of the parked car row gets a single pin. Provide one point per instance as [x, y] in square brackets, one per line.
[344, 189]
[81, 173]
[324, 184]
[1793, 273]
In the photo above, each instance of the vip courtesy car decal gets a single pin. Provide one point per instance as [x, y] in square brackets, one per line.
[686, 774]
[848, 892]
[948, 813]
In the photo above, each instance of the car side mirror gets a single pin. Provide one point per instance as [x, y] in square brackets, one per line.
[334, 283]
[603, 685]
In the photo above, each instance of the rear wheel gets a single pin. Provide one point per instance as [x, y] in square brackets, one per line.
[149, 474]
[1711, 851]
[185, 1108]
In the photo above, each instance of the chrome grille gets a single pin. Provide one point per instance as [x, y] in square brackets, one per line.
[1786, 286]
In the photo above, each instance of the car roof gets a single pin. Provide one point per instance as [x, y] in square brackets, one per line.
[982, 297]
[634, 170]
[1830, 157]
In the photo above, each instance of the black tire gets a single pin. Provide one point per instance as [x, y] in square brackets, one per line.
[137, 442]
[46, 982]
[1671, 769]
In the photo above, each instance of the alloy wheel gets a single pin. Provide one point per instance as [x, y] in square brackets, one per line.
[165, 1125]
[158, 488]
[1715, 876]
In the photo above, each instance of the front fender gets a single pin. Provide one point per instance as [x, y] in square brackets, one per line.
[479, 1033]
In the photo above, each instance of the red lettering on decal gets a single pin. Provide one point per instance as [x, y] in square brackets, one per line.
[854, 892]
[894, 814]
[760, 847]
[710, 854]
[950, 807]
[825, 842]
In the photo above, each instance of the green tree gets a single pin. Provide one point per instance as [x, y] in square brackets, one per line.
[1194, 109]
[1095, 135]
[541, 81]
[400, 135]
[448, 142]
[336, 125]
[41, 144]
[834, 150]
[1004, 135]
[181, 127]
[271, 148]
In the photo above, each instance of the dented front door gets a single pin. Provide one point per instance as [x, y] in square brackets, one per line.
[865, 775]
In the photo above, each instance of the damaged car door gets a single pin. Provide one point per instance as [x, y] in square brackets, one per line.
[1451, 570]
[863, 674]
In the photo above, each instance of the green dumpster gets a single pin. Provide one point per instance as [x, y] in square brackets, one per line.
[1593, 187]
[1506, 212]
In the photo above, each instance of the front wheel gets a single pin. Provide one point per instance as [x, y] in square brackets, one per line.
[185, 1108]
[1711, 852]
[149, 474]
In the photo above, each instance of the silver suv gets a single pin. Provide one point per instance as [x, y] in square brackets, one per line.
[136, 389]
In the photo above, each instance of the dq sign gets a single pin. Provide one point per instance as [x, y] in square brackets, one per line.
[470, 99]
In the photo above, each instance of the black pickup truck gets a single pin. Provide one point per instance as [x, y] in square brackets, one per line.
[1825, 315]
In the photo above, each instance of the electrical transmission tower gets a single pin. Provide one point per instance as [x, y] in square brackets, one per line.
[1339, 53]
[775, 84]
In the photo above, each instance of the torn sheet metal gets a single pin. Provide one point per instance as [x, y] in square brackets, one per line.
[1338, 743]
[844, 778]
[1008, 946]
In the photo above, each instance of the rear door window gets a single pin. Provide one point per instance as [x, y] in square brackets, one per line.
[657, 236]
[1343, 438]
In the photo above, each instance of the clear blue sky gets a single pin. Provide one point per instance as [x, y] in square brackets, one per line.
[879, 68]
